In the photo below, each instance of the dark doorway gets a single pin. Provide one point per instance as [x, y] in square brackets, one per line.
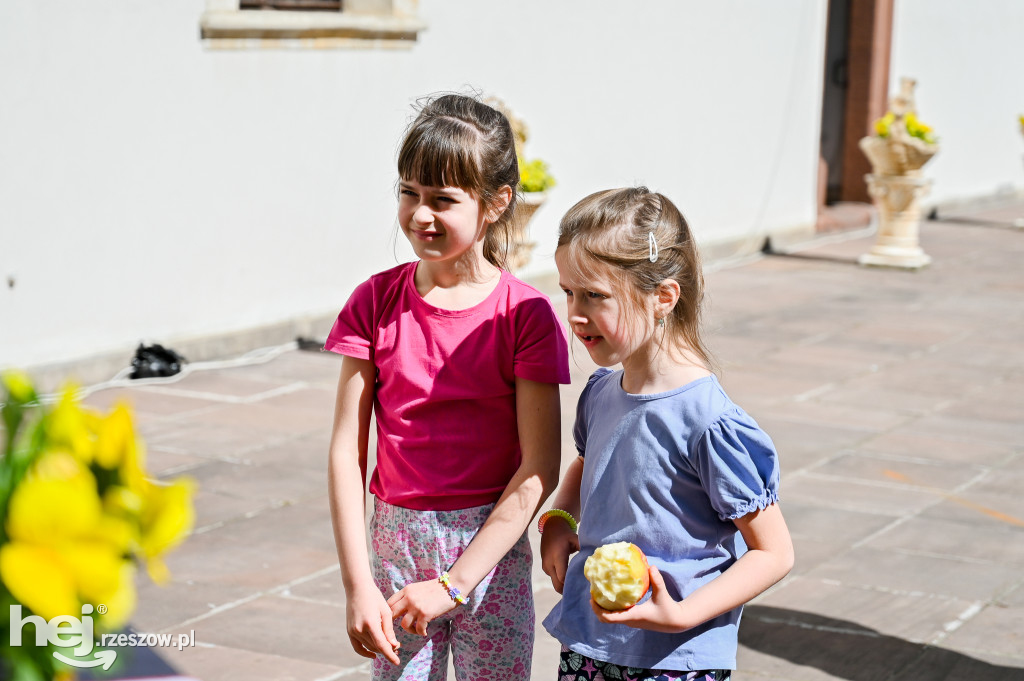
[833, 99]
[858, 45]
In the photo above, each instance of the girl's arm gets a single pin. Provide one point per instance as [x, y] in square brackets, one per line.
[370, 628]
[539, 426]
[558, 541]
[768, 559]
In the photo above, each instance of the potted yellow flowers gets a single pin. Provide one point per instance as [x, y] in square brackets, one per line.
[900, 147]
[901, 143]
[535, 180]
[534, 183]
[79, 514]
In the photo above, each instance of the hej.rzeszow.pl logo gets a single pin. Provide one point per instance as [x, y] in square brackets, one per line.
[67, 631]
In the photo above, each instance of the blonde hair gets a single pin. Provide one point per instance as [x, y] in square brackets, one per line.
[458, 141]
[622, 229]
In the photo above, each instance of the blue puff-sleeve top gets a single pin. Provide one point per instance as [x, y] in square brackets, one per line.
[669, 472]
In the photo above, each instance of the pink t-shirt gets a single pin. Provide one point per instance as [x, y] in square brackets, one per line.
[445, 394]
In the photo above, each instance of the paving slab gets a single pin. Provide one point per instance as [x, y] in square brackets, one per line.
[896, 400]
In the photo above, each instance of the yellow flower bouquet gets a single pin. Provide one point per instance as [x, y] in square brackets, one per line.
[913, 127]
[79, 515]
[901, 143]
[534, 176]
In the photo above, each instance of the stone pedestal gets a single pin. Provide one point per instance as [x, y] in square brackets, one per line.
[897, 198]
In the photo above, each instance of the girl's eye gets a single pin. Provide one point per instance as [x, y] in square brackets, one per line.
[407, 192]
[595, 294]
[567, 292]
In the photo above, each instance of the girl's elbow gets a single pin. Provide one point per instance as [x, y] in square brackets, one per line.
[786, 560]
[547, 476]
[549, 482]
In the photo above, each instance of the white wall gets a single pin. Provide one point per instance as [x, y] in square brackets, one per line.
[154, 189]
[966, 58]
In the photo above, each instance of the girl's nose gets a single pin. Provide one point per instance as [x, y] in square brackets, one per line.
[423, 215]
[575, 317]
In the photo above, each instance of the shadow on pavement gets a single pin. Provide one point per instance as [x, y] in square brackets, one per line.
[846, 650]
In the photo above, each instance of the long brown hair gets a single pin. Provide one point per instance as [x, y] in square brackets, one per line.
[458, 141]
[615, 228]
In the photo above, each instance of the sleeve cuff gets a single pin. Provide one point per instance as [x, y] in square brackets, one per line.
[759, 504]
[347, 349]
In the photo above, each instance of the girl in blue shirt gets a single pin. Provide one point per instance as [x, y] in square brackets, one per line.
[666, 460]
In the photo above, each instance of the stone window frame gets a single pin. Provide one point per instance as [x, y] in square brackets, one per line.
[361, 24]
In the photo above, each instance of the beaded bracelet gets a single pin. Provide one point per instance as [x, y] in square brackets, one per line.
[452, 591]
[556, 513]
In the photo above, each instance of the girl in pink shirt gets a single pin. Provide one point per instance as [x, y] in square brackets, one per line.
[460, 363]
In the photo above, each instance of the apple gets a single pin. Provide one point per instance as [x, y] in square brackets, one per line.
[618, 575]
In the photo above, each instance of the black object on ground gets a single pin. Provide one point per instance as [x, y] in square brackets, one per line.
[155, 360]
[309, 344]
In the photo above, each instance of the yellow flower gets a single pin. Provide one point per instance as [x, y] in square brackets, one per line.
[70, 425]
[133, 472]
[122, 502]
[56, 581]
[534, 176]
[913, 126]
[38, 578]
[115, 438]
[83, 514]
[63, 549]
[56, 501]
[120, 603]
[167, 518]
[103, 577]
[916, 128]
[19, 385]
[883, 123]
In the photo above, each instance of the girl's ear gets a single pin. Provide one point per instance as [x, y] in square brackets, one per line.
[666, 297]
[497, 207]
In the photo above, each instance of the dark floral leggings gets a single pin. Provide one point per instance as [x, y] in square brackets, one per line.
[575, 667]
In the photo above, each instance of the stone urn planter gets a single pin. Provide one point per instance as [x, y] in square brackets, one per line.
[521, 248]
[534, 182]
[897, 152]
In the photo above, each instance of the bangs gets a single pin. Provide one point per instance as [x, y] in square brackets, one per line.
[442, 152]
[585, 264]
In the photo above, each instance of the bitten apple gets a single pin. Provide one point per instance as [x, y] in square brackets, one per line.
[618, 575]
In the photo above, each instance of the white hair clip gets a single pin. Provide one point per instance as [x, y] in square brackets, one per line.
[652, 247]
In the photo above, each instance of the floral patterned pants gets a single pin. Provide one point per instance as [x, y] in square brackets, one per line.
[575, 667]
[491, 636]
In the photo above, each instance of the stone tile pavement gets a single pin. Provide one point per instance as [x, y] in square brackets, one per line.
[896, 400]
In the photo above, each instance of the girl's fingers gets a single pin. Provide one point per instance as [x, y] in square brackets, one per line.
[598, 610]
[558, 586]
[657, 581]
[358, 646]
[559, 576]
[371, 644]
[388, 625]
[395, 597]
[384, 647]
[399, 608]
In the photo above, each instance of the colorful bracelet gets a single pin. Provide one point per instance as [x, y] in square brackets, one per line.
[556, 513]
[452, 591]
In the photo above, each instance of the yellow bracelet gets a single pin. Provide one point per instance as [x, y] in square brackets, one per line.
[556, 513]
